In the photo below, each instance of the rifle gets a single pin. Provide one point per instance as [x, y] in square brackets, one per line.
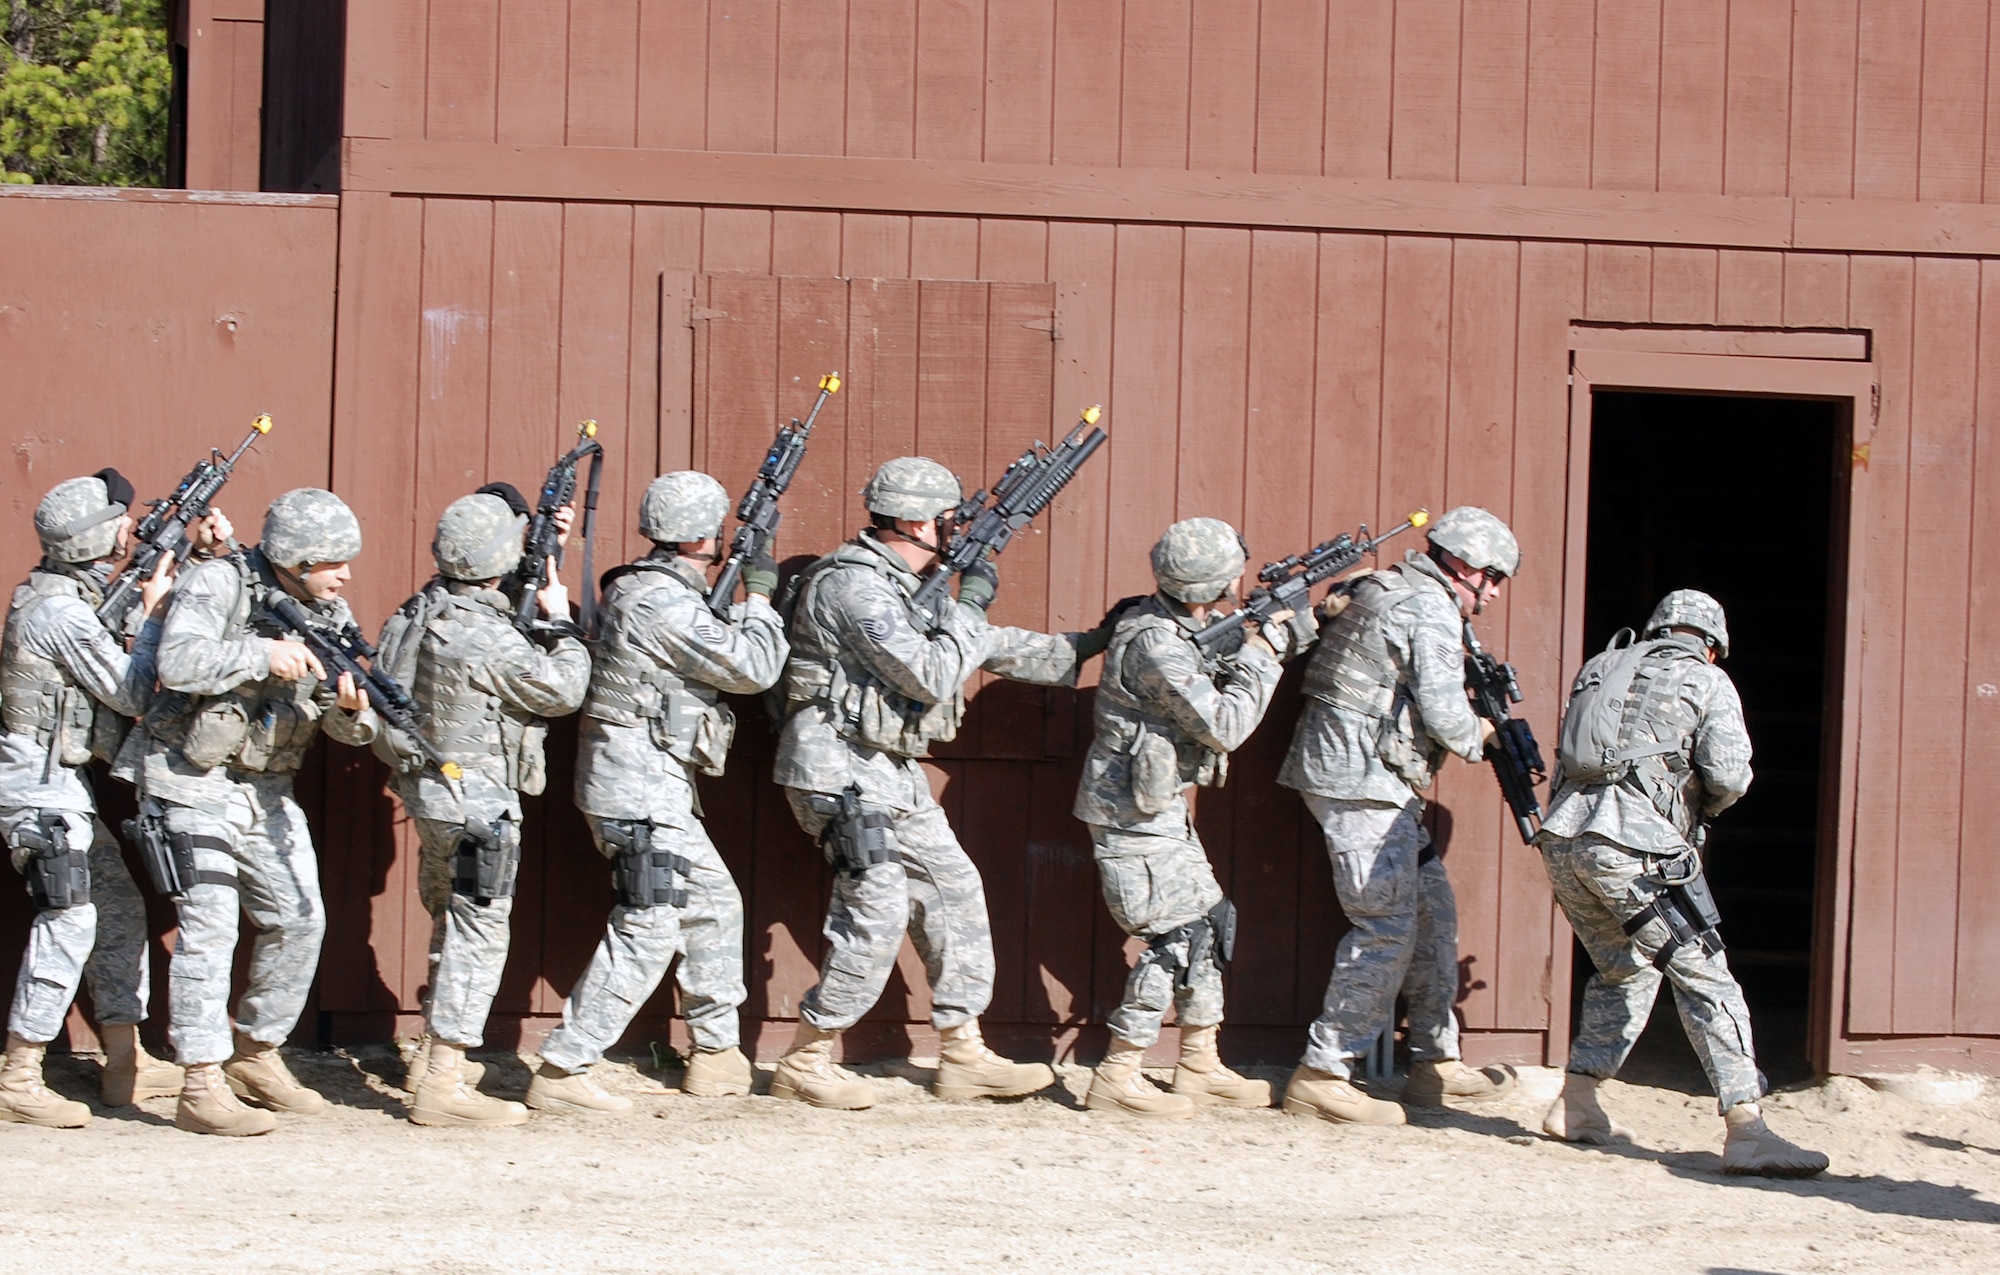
[759, 512]
[343, 650]
[1516, 757]
[1286, 585]
[165, 529]
[543, 541]
[1029, 486]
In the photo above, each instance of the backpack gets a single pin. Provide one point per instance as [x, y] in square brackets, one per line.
[396, 656]
[1597, 743]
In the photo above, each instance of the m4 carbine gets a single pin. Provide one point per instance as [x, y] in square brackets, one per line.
[544, 541]
[759, 512]
[1516, 757]
[988, 521]
[1286, 585]
[345, 650]
[165, 530]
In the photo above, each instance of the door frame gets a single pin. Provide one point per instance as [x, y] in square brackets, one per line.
[1852, 383]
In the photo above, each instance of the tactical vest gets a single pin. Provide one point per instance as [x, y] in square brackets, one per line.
[628, 687]
[38, 696]
[823, 671]
[1163, 760]
[396, 658]
[468, 725]
[1353, 670]
[261, 727]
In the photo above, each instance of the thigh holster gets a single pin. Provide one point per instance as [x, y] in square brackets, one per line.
[1685, 905]
[1209, 937]
[487, 860]
[168, 856]
[58, 875]
[644, 876]
[856, 837]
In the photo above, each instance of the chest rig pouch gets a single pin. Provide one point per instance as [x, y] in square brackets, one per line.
[38, 699]
[1162, 760]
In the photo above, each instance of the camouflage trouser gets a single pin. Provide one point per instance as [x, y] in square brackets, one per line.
[1601, 886]
[929, 890]
[1153, 885]
[640, 943]
[270, 853]
[1404, 936]
[103, 940]
[469, 940]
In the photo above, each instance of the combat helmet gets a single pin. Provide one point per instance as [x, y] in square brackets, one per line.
[913, 488]
[478, 538]
[1691, 608]
[1478, 539]
[78, 520]
[681, 507]
[310, 525]
[1197, 559]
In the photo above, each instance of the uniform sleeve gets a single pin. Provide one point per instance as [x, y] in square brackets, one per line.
[1426, 635]
[1023, 655]
[1721, 753]
[874, 626]
[740, 656]
[547, 683]
[354, 729]
[197, 652]
[98, 661]
[1166, 674]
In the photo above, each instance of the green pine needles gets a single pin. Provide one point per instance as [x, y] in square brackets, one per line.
[84, 91]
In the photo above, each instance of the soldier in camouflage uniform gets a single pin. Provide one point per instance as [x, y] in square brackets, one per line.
[69, 687]
[653, 720]
[1618, 835]
[485, 690]
[1167, 718]
[870, 685]
[1385, 701]
[242, 703]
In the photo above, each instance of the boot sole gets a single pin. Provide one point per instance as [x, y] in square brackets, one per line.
[1300, 1107]
[779, 1089]
[1217, 1100]
[439, 1120]
[1773, 1173]
[576, 1109]
[132, 1097]
[966, 1093]
[15, 1117]
[288, 1106]
[191, 1126]
[1095, 1103]
[711, 1089]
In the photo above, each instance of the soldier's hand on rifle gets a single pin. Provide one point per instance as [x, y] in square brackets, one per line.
[553, 597]
[348, 695]
[154, 590]
[564, 518]
[294, 662]
[212, 532]
[1487, 730]
[760, 574]
[979, 583]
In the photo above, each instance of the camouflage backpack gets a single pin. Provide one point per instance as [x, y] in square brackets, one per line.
[1598, 740]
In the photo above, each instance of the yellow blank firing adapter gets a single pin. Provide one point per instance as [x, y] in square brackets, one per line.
[1420, 517]
[1091, 413]
[262, 424]
[451, 770]
[588, 429]
[830, 382]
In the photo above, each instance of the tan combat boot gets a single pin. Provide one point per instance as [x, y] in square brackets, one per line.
[968, 1069]
[1433, 1081]
[554, 1089]
[717, 1073]
[1313, 1092]
[130, 1073]
[420, 1060]
[24, 1099]
[258, 1073]
[445, 1099]
[1202, 1077]
[1119, 1085]
[1749, 1147]
[208, 1105]
[807, 1073]
[1576, 1115]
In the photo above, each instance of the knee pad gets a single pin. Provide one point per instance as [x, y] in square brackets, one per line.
[644, 876]
[487, 860]
[58, 875]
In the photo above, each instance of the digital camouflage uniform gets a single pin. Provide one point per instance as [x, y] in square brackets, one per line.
[220, 749]
[1385, 699]
[1606, 844]
[652, 721]
[485, 691]
[1167, 718]
[869, 690]
[67, 687]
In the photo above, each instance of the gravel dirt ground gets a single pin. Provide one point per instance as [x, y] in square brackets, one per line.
[1039, 1184]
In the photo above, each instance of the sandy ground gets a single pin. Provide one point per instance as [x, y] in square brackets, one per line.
[1040, 1184]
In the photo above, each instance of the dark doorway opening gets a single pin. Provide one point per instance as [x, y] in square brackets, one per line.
[1735, 496]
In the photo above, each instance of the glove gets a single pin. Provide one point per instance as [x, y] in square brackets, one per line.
[978, 584]
[760, 574]
[1095, 641]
